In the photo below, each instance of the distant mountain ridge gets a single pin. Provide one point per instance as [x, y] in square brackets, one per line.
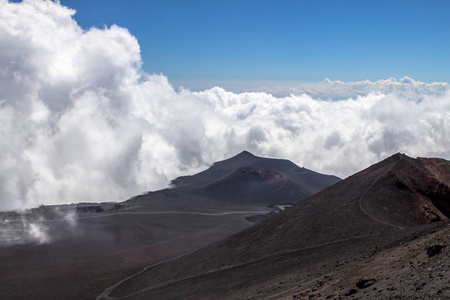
[246, 177]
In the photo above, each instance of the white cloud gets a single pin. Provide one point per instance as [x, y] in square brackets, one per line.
[81, 121]
[327, 89]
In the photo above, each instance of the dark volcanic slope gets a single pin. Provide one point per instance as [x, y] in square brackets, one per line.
[87, 247]
[373, 209]
[246, 178]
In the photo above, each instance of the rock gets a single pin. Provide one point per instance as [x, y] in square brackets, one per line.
[365, 282]
[433, 250]
[351, 292]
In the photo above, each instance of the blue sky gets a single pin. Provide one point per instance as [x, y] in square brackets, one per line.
[77, 123]
[282, 40]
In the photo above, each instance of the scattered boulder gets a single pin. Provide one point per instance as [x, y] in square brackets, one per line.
[365, 282]
[351, 292]
[433, 250]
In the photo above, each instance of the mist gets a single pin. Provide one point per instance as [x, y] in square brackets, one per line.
[37, 226]
[82, 122]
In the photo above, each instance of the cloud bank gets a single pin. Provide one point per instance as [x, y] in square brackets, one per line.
[327, 89]
[82, 122]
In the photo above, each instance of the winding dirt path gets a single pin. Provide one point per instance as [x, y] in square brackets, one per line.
[100, 215]
[365, 193]
[107, 292]
[283, 186]
[15, 231]
[179, 213]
